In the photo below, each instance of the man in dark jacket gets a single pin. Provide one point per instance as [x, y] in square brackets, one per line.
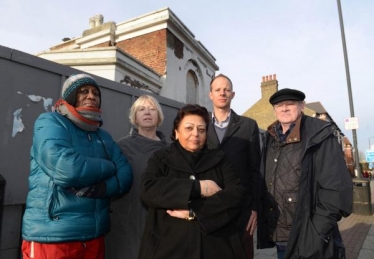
[308, 186]
[238, 137]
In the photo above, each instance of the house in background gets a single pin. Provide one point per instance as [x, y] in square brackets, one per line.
[155, 52]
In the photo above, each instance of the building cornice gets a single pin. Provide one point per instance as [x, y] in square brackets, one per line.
[106, 56]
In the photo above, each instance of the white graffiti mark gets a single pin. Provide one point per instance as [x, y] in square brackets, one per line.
[17, 122]
[47, 102]
[34, 98]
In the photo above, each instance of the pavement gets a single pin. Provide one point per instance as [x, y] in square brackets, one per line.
[357, 232]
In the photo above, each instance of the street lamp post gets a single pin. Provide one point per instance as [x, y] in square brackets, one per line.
[354, 135]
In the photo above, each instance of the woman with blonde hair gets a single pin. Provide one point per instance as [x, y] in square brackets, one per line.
[129, 213]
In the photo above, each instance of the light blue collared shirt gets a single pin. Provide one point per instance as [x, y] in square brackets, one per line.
[221, 124]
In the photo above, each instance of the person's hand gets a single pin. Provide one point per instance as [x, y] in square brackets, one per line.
[252, 223]
[208, 188]
[182, 214]
[94, 191]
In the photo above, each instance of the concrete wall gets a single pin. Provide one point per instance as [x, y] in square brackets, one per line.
[29, 86]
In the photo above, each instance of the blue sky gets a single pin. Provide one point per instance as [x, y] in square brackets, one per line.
[300, 41]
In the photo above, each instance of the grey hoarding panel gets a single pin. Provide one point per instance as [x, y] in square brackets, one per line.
[25, 93]
[5, 52]
[29, 85]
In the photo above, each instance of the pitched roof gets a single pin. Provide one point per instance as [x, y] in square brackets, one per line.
[317, 107]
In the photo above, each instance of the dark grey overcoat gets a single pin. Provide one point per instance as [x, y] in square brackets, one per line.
[241, 144]
[128, 214]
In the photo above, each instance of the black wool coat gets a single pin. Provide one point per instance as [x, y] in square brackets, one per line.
[241, 144]
[167, 185]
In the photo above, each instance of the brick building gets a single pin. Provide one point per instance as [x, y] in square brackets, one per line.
[155, 52]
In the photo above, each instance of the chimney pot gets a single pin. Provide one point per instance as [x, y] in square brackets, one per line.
[99, 20]
[271, 77]
[267, 78]
[92, 22]
[263, 79]
[275, 77]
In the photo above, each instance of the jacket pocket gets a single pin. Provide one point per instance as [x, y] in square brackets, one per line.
[312, 244]
[309, 244]
[290, 201]
[51, 200]
[331, 241]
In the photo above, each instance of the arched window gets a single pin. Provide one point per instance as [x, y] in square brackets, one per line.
[191, 88]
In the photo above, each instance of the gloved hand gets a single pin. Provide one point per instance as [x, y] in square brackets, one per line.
[94, 191]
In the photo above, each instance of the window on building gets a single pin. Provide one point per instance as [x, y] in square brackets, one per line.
[191, 88]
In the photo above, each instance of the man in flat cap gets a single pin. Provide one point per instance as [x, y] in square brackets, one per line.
[308, 187]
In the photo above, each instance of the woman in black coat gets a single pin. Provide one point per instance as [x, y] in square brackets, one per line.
[194, 196]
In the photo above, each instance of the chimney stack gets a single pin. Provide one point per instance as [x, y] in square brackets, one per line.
[269, 86]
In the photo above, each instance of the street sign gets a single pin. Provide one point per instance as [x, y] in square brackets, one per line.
[369, 154]
[371, 166]
[351, 123]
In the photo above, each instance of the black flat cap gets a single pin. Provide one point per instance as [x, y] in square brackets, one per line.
[287, 94]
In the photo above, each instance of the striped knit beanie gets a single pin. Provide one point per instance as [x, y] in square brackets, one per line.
[73, 83]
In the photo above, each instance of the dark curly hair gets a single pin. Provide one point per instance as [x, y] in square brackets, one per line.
[190, 109]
